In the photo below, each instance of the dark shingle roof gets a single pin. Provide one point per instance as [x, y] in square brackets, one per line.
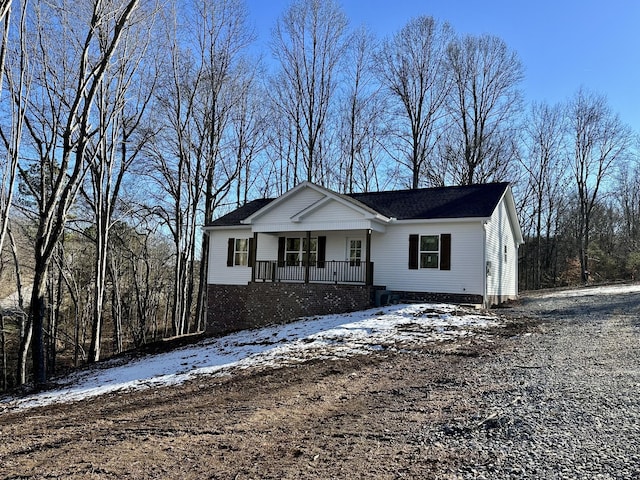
[436, 203]
[467, 201]
[236, 216]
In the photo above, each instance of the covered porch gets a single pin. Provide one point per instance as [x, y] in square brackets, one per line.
[312, 235]
[312, 257]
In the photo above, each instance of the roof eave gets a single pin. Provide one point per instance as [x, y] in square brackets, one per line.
[209, 228]
[443, 220]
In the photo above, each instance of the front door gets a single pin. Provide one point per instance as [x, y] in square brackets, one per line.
[354, 251]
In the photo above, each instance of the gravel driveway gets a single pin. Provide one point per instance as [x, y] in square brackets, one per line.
[565, 403]
[553, 394]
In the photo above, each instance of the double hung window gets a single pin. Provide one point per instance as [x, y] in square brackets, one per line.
[429, 251]
[241, 252]
[295, 249]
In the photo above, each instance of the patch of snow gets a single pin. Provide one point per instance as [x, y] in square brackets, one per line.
[326, 337]
[590, 291]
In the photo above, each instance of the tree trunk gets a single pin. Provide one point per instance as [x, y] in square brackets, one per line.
[37, 316]
[201, 306]
[99, 284]
[3, 346]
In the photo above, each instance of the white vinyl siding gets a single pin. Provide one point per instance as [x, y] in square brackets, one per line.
[502, 255]
[278, 219]
[316, 216]
[390, 253]
[219, 273]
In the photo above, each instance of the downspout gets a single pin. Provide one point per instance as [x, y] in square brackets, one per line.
[517, 279]
[484, 265]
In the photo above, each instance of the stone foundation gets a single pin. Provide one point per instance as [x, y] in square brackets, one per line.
[430, 297]
[239, 307]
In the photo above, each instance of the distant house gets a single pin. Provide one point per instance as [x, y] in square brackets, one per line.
[313, 251]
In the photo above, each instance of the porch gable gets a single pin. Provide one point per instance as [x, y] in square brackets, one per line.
[309, 207]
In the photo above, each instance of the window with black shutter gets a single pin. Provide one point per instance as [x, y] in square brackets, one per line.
[238, 252]
[413, 251]
[430, 251]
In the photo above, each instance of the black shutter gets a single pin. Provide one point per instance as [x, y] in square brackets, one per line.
[321, 254]
[281, 245]
[413, 251]
[445, 251]
[252, 253]
[231, 247]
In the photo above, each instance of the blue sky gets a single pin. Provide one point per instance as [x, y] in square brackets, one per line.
[563, 44]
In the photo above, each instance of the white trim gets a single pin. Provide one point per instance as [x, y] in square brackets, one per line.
[349, 202]
[215, 228]
[298, 217]
[485, 282]
[510, 203]
[441, 220]
[276, 201]
[327, 226]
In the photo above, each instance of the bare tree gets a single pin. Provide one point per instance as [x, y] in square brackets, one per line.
[191, 168]
[59, 124]
[629, 198]
[600, 142]
[483, 105]
[362, 129]
[308, 43]
[249, 126]
[412, 67]
[121, 102]
[545, 163]
[18, 80]
[628, 186]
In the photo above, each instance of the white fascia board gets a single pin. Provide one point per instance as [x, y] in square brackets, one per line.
[510, 202]
[513, 213]
[442, 220]
[298, 217]
[214, 228]
[320, 227]
[279, 200]
[366, 214]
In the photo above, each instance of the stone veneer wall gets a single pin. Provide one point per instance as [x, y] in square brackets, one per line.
[240, 307]
[457, 298]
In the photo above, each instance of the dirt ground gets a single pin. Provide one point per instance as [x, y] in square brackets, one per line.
[355, 418]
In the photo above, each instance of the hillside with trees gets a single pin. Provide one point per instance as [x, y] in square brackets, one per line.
[126, 124]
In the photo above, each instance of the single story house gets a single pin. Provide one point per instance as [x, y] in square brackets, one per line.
[313, 251]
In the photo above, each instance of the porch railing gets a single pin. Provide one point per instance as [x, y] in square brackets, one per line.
[330, 271]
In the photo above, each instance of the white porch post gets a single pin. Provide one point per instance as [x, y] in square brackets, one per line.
[306, 258]
[368, 270]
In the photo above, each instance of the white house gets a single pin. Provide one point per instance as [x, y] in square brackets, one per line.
[313, 251]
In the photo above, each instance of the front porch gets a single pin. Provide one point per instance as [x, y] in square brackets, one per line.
[328, 257]
[331, 271]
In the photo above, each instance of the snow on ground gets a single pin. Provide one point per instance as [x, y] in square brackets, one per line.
[326, 337]
[590, 291]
